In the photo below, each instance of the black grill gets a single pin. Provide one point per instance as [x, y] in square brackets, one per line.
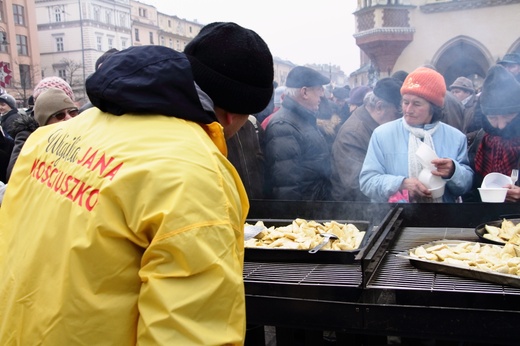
[398, 273]
[381, 293]
[304, 274]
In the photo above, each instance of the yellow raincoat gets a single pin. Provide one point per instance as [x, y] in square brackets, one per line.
[123, 230]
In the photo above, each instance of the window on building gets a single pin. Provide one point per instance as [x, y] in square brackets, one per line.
[169, 23]
[97, 16]
[110, 42]
[162, 41]
[142, 12]
[59, 44]
[108, 17]
[2, 17]
[151, 37]
[123, 43]
[191, 30]
[62, 73]
[99, 43]
[4, 43]
[136, 35]
[21, 43]
[25, 76]
[18, 16]
[171, 44]
[178, 45]
[122, 20]
[58, 12]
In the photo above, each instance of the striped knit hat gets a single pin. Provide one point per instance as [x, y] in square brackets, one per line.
[53, 83]
[426, 83]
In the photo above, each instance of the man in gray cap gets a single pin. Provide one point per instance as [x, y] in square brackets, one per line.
[297, 154]
[350, 146]
[464, 91]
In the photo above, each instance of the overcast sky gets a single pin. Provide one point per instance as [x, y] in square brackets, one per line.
[303, 32]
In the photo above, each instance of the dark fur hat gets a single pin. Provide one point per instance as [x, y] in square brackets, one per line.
[389, 89]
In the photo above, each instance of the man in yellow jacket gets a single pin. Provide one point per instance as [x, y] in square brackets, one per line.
[124, 225]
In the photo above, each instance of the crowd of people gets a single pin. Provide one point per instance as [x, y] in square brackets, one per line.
[359, 144]
[122, 220]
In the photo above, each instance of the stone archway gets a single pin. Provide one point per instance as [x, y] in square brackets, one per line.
[463, 56]
[515, 47]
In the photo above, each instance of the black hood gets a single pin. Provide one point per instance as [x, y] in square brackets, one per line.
[147, 80]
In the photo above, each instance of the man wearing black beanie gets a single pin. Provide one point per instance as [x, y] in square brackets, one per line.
[137, 215]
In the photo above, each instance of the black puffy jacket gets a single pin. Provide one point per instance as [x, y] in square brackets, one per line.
[297, 155]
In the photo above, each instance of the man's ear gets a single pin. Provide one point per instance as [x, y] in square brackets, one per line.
[379, 106]
[229, 118]
[223, 117]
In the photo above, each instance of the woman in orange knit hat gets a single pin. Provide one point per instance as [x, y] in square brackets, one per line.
[391, 166]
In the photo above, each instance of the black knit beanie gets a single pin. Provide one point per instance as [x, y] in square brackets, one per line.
[233, 65]
[500, 92]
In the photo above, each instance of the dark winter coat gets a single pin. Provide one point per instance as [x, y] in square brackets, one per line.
[348, 153]
[510, 131]
[8, 120]
[6, 147]
[245, 153]
[297, 155]
[22, 128]
[453, 112]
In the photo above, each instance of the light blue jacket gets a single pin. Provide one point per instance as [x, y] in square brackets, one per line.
[386, 163]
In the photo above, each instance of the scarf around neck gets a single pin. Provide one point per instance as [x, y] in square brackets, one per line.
[499, 150]
[418, 135]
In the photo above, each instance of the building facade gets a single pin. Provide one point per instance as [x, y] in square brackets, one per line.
[19, 50]
[457, 37]
[73, 34]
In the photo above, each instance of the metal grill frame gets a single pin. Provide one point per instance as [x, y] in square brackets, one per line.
[377, 308]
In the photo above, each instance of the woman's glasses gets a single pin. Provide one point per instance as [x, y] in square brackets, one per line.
[72, 112]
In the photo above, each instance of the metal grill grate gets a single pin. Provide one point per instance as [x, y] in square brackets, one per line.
[349, 275]
[398, 273]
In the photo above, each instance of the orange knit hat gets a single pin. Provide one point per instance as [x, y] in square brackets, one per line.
[426, 83]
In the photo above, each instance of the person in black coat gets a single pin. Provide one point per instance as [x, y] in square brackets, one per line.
[9, 113]
[245, 153]
[6, 148]
[297, 155]
[496, 147]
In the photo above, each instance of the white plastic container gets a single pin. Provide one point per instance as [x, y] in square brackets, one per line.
[434, 183]
[496, 180]
[438, 192]
[425, 154]
[493, 195]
